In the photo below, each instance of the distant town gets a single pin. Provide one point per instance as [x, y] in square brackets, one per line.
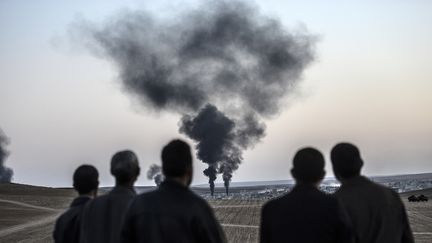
[258, 190]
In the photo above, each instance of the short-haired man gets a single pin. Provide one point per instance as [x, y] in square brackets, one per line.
[85, 182]
[376, 212]
[305, 214]
[172, 213]
[103, 216]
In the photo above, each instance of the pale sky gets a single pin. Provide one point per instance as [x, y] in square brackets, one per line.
[371, 85]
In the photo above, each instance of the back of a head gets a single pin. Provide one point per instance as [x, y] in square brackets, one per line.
[85, 179]
[124, 166]
[346, 160]
[308, 165]
[176, 158]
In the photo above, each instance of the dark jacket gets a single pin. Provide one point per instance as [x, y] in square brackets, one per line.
[67, 226]
[172, 213]
[304, 215]
[376, 212]
[103, 216]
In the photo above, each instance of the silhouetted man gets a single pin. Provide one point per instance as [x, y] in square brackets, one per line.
[103, 216]
[172, 213]
[305, 214]
[85, 182]
[376, 212]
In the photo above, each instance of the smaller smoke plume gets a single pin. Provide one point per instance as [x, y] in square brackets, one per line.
[155, 173]
[226, 169]
[159, 178]
[210, 172]
[5, 172]
[227, 179]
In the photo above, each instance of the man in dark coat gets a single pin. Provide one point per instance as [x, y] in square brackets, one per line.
[103, 216]
[172, 213]
[376, 212]
[305, 214]
[67, 227]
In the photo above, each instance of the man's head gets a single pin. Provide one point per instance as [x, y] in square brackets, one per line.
[86, 180]
[125, 168]
[177, 160]
[308, 166]
[346, 160]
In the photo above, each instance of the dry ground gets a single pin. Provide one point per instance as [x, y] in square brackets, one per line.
[27, 214]
[420, 216]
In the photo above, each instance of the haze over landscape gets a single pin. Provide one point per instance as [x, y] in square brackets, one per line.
[369, 83]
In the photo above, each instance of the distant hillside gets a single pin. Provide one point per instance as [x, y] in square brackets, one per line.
[426, 192]
[16, 188]
[422, 176]
[20, 189]
[327, 180]
[250, 183]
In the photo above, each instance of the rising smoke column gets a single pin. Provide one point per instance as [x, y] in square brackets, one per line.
[211, 173]
[220, 140]
[5, 172]
[214, 133]
[223, 67]
[155, 173]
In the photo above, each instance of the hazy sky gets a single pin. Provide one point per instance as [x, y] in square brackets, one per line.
[371, 85]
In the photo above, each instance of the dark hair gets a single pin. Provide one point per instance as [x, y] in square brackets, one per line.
[346, 160]
[124, 166]
[308, 165]
[176, 158]
[85, 179]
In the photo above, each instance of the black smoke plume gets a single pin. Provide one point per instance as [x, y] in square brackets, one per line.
[220, 140]
[210, 172]
[155, 173]
[5, 172]
[226, 175]
[223, 67]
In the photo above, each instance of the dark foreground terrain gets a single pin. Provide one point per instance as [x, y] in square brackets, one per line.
[28, 213]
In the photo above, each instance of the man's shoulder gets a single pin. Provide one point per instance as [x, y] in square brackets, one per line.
[387, 192]
[151, 197]
[299, 203]
[64, 216]
[199, 201]
[159, 194]
[63, 222]
[364, 183]
[108, 196]
[157, 200]
[97, 201]
[315, 195]
[69, 214]
[98, 205]
[275, 203]
[325, 200]
[146, 196]
[366, 189]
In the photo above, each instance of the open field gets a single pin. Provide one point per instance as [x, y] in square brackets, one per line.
[28, 214]
[420, 216]
[240, 218]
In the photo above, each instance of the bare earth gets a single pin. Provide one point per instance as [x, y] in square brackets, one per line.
[27, 214]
